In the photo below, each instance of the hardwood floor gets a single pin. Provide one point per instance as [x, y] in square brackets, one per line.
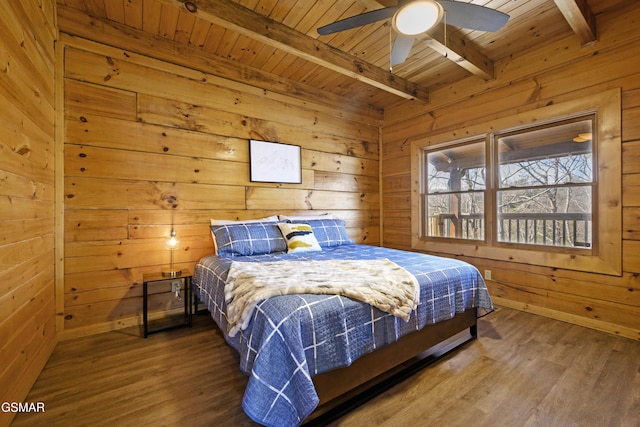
[524, 370]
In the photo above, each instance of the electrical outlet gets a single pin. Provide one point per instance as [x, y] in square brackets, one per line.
[487, 274]
[175, 286]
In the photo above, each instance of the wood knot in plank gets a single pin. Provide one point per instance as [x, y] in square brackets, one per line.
[190, 6]
[23, 150]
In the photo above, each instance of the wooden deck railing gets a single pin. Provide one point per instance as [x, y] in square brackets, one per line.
[549, 229]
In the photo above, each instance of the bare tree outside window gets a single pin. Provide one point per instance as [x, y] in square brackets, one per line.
[545, 189]
[455, 199]
[544, 186]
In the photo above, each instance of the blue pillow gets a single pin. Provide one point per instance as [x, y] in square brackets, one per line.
[328, 232]
[248, 239]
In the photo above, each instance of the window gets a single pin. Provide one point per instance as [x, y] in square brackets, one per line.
[540, 187]
[456, 183]
[545, 185]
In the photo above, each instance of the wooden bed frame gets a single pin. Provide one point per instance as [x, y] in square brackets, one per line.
[345, 388]
[342, 389]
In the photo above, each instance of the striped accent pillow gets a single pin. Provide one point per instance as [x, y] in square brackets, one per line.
[299, 237]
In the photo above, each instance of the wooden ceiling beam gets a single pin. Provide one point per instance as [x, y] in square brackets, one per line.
[580, 18]
[78, 23]
[453, 47]
[462, 52]
[232, 16]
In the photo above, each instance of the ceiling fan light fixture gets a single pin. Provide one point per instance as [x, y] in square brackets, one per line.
[583, 137]
[417, 16]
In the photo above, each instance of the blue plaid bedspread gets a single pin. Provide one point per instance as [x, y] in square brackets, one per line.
[292, 338]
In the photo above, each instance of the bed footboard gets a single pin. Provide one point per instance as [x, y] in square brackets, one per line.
[350, 384]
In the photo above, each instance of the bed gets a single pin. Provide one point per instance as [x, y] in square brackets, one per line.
[302, 352]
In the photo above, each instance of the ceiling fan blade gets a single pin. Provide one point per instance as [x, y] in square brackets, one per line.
[473, 17]
[358, 20]
[401, 48]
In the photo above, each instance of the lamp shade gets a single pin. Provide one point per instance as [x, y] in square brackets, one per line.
[417, 17]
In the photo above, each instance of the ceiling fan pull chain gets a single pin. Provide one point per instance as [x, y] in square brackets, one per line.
[444, 19]
[390, 49]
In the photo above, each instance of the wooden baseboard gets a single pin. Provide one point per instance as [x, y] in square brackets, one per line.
[587, 322]
[115, 325]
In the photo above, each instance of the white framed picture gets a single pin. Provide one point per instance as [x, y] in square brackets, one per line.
[275, 162]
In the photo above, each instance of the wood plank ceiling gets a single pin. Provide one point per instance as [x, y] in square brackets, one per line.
[277, 40]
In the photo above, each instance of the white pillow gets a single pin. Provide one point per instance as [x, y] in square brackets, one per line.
[243, 221]
[299, 237]
[305, 218]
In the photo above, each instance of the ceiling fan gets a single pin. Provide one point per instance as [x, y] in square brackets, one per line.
[412, 17]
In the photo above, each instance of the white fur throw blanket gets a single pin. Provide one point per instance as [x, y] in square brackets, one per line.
[380, 283]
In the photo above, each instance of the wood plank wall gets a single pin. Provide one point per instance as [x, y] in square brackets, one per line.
[148, 143]
[559, 72]
[27, 102]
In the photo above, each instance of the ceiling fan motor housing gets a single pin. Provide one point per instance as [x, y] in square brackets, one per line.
[417, 16]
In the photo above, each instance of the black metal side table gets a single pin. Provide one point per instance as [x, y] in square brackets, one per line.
[157, 278]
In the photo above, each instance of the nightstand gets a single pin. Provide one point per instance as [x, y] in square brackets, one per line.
[158, 279]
